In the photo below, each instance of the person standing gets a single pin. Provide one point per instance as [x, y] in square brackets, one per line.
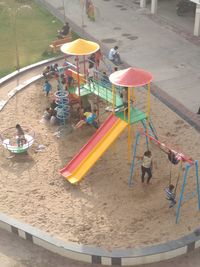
[47, 87]
[147, 165]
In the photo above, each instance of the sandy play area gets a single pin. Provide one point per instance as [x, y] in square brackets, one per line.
[102, 210]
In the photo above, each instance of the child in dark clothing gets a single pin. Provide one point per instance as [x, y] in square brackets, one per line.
[170, 195]
[20, 136]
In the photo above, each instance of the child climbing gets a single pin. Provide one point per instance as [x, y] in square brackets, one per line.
[20, 136]
[147, 165]
[89, 118]
[170, 195]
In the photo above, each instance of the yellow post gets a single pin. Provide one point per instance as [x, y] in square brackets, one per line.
[133, 94]
[113, 98]
[129, 125]
[148, 105]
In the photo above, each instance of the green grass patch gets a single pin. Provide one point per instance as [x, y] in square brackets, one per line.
[35, 28]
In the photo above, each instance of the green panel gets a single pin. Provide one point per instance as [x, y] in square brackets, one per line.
[136, 115]
[103, 92]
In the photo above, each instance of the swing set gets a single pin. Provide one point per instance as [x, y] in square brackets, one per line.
[175, 158]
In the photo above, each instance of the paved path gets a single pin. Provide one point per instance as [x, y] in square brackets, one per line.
[16, 252]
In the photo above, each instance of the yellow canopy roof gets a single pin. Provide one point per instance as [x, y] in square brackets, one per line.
[80, 47]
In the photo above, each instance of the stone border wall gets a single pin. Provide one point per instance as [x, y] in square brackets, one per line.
[89, 254]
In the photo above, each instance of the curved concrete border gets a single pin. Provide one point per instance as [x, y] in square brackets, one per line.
[27, 68]
[25, 83]
[123, 257]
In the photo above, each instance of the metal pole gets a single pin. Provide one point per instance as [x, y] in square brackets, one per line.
[16, 44]
[197, 182]
[64, 10]
[133, 161]
[182, 192]
[129, 124]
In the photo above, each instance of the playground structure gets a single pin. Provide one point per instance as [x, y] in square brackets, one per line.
[180, 159]
[62, 100]
[8, 140]
[117, 122]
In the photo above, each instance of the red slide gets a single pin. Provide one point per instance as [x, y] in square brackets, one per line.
[94, 149]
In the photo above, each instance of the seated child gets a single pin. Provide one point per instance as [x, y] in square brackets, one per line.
[173, 158]
[20, 136]
[89, 118]
[47, 114]
[170, 195]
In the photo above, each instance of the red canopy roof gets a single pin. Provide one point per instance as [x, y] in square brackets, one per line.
[130, 77]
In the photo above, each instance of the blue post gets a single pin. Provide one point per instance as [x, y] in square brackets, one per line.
[182, 192]
[197, 182]
[153, 130]
[133, 161]
[145, 130]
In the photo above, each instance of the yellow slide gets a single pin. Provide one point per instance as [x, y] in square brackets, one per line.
[103, 139]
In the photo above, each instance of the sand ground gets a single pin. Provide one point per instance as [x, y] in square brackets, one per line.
[102, 210]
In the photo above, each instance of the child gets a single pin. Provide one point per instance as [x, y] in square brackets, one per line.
[91, 73]
[170, 195]
[46, 71]
[147, 165]
[47, 114]
[124, 96]
[173, 158]
[20, 138]
[89, 118]
[47, 87]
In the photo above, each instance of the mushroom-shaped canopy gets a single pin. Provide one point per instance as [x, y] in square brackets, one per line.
[130, 77]
[80, 47]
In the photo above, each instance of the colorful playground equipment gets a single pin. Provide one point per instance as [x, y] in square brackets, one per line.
[123, 116]
[180, 159]
[62, 100]
[113, 126]
[77, 48]
[8, 140]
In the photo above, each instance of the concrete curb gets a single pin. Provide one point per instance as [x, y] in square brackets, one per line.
[95, 255]
[27, 68]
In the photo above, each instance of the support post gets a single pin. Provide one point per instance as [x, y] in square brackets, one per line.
[130, 180]
[78, 80]
[145, 130]
[197, 21]
[182, 192]
[113, 98]
[129, 124]
[197, 182]
[154, 6]
[143, 3]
